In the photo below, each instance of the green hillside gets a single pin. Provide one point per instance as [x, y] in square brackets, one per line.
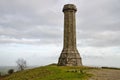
[51, 72]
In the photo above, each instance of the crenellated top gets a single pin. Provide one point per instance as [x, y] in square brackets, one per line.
[70, 7]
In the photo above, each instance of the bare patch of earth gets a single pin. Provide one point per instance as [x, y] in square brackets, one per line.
[105, 74]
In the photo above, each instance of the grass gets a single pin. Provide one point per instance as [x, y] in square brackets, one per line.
[51, 72]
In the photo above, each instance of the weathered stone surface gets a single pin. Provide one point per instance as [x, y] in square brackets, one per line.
[70, 55]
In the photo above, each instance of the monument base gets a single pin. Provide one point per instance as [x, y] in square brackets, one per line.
[70, 58]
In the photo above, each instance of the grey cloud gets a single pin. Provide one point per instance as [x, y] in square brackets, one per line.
[92, 57]
[100, 15]
[23, 20]
[99, 39]
[15, 40]
[43, 21]
[98, 23]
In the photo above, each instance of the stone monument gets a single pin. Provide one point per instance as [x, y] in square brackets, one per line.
[70, 55]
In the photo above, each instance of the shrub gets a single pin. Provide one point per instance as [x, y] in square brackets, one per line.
[10, 71]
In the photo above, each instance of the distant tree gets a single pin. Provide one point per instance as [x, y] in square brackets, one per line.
[22, 64]
[10, 71]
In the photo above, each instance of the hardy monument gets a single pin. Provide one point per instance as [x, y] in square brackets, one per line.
[70, 55]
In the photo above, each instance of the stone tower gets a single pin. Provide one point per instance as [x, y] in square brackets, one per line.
[70, 55]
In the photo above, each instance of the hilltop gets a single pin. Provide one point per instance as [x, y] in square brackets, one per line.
[53, 72]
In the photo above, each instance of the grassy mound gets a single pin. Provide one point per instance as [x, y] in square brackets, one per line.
[51, 72]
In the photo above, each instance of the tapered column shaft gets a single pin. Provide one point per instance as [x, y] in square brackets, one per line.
[69, 28]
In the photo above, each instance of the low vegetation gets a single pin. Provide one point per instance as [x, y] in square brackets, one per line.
[10, 71]
[111, 68]
[51, 72]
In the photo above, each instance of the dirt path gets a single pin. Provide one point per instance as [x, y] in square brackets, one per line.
[105, 74]
[1, 78]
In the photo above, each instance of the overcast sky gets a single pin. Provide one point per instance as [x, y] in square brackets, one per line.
[33, 30]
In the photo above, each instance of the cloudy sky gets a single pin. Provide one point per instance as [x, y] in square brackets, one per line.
[33, 30]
